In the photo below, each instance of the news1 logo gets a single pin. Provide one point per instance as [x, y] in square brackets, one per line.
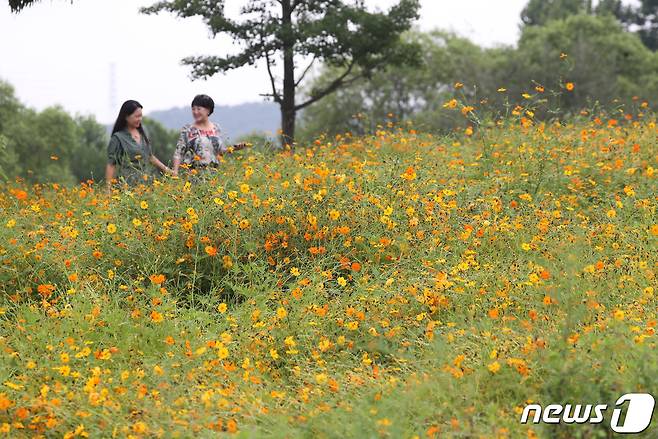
[638, 413]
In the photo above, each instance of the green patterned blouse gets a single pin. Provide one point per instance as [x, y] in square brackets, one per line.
[130, 158]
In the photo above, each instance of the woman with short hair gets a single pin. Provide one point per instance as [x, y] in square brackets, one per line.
[129, 153]
[201, 142]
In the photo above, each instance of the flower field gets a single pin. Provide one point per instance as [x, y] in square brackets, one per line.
[400, 285]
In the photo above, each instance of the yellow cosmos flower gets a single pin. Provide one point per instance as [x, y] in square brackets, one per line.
[494, 367]
[451, 104]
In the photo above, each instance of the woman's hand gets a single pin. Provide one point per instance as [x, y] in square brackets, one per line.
[238, 147]
[161, 166]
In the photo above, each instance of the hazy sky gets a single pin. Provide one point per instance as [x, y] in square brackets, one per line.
[61, 53]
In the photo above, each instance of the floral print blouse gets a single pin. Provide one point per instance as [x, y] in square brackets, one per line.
[200, 147]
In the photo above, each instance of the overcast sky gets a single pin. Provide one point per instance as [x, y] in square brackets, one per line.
[61, 53]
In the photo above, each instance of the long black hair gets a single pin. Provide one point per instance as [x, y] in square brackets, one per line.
[128, 108]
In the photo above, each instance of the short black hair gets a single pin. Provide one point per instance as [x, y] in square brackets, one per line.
[204, 101]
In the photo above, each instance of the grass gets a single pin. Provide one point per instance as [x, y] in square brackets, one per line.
[399, 285]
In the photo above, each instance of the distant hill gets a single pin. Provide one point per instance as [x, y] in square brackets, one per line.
[236, 120]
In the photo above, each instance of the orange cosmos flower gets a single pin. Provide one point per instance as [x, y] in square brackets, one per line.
[46, 289]
[157, 279]
[467, 109]
[409, 174]
[232, 426]
[5, 402]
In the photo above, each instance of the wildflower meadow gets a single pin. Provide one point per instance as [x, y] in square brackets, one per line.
[400, 285]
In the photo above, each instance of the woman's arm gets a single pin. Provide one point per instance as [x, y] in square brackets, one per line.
[223, 141]
[233, 148]
[181, 145]
[240, 146]
[176, 165]
[161, 166]
[155, 161]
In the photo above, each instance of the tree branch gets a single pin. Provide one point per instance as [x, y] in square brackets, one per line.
[335, 85]
[275, 94]
[306, 70]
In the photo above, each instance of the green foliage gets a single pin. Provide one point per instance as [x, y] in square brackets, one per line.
[404, 92]
[259, 142]
[604, 61]
[608, 66]
[9, 105]
[48, 146]
[5, 161]
[640, 17]
[342, 34]
[540, 12]
[337, 32]
[91, 154]
[43, 143]
[163, 140]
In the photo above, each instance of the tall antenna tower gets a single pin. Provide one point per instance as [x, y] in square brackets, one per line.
[113, 88]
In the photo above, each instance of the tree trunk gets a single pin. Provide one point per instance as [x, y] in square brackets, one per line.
[287, 128]
[288, 113]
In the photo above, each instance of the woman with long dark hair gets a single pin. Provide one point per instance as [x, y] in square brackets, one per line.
[129, 149]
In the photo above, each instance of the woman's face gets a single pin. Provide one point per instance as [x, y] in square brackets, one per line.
[135, 119]
[200, 114]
